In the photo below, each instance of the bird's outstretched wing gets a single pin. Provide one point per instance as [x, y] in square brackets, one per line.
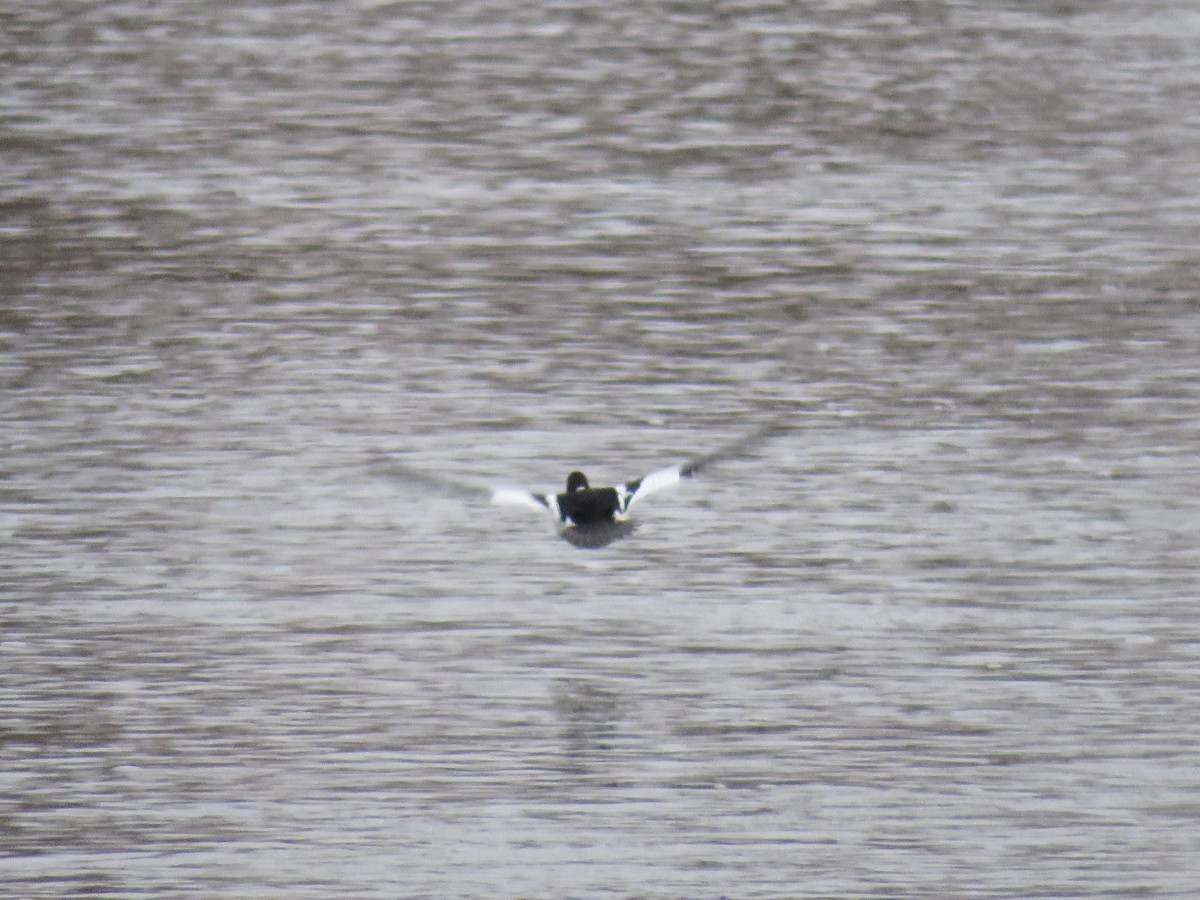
[543, 503]
[432, 485]
[425, 484]
[731, 450]
[660, 479]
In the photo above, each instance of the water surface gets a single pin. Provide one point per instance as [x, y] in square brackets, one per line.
[936, 639]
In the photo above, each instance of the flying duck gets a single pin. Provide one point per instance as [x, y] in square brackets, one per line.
[595, 516]
[584, 506]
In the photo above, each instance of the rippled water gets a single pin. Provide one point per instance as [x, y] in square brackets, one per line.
[936, 639]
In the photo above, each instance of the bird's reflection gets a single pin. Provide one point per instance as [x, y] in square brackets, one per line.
[598, 535]
[589, 713]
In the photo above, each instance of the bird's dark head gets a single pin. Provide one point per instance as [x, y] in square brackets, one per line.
[576, 481]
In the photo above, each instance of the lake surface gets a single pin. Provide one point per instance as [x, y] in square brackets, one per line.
[267, 266]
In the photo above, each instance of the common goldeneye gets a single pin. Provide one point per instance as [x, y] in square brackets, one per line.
[596, 516]
[583, 506]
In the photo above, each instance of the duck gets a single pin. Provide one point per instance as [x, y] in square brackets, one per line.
[590, 516]
[584, 506]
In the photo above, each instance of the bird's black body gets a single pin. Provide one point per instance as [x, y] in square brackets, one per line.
[585, 507]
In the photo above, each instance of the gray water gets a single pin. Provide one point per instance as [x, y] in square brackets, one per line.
[938, 638]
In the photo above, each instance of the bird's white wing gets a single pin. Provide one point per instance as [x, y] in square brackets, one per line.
[658, 480]
[518, 497]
